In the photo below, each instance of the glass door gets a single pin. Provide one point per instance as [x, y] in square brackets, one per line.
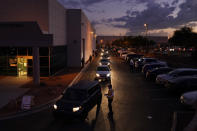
[22, 66]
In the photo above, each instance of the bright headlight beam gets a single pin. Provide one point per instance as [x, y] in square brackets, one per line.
[75, 109]
[55, 107]
[97, 75]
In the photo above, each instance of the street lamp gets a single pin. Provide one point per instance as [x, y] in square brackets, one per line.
[146, 27]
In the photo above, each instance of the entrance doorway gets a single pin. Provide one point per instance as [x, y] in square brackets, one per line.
[21, 66]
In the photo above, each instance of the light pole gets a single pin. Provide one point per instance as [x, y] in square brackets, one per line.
[146, 27]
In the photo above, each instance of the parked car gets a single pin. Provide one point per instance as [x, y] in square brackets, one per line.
[180, 72]
[189, 98]
[152, 74]
[142, 61]
[103, 73]
[182, 83]
[151, 66]
[78, 100]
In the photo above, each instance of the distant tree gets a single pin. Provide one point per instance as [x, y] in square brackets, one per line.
[138, 42]
[184, 37]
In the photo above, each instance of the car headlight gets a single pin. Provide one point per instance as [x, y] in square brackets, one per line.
[97, 75]
[75, 109]
[108, 63]
[108, 75]
[100, 63]
[55, 106]
[101, 54]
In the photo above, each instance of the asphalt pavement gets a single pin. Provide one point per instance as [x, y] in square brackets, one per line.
[138, 105]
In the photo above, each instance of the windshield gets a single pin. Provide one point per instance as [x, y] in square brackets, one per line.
[102, 69]
[104, 60]
[74, 95]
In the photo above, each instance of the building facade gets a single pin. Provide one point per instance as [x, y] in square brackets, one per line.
[81, 38]
[41, 37]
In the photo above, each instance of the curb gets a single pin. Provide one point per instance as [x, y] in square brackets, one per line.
[46, 105]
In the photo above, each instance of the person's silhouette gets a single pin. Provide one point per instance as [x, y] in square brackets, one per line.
[110, 96]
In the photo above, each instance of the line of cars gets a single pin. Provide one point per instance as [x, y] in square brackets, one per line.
[103, 71]
[176, 80]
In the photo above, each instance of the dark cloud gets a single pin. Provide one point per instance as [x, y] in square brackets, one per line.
[157, 17]
[91, 2]
[188, 12]
[157, 14]
[79, 3]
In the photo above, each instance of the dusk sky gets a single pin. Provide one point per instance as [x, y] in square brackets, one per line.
[127, 17]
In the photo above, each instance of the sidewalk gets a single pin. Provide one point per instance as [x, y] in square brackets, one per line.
[49, 89]
[9, 88]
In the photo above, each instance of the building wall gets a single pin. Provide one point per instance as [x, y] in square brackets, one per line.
[49, 14]
[74, 38]
[87, 33]
[25, 10]
[57, 23]
[81, 41]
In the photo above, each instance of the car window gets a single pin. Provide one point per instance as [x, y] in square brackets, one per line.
[102, 69]
[74, 95]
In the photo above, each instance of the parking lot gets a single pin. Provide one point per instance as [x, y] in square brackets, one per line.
[138, 105]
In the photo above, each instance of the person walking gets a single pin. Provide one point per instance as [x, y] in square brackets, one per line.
[110, 96]
[90, 58]
[82, 62]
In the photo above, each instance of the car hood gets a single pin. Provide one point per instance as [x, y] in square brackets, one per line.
[67, 103]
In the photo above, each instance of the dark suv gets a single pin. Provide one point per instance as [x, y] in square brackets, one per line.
[78, 100]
